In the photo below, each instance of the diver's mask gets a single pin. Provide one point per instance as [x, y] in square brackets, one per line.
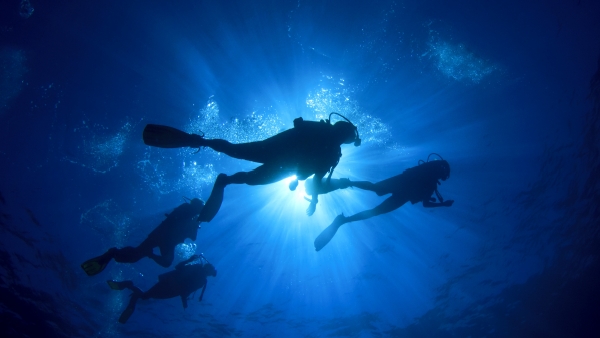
[357, 140]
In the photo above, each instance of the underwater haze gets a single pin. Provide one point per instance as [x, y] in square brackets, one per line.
[508, 92]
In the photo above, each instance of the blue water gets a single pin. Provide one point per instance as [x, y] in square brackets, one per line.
[508, 92]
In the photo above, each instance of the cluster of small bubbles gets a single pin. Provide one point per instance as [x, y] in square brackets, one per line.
[12, 71]
[109, 147]
[456, 62]
[254, 127]
[25, 10]
[106, 218]
[114, 305]
[325, 101]
[195, 176]
[184, 251]
[153, 176]
[101, 151]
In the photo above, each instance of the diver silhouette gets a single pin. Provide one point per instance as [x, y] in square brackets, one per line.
[180, 224]
[416, 184]
[185, 279]
[310, 148]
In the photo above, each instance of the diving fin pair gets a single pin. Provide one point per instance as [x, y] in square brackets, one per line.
[168, 137]
[327, 234]
[116, 285]
[97, 264]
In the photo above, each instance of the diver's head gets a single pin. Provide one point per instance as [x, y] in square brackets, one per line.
[209, 270]
[197, 204]
[442, 169]
[346, 132]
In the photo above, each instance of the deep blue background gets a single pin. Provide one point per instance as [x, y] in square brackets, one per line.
[505, 91]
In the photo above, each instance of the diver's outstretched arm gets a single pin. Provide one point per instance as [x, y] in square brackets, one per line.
[429, 204]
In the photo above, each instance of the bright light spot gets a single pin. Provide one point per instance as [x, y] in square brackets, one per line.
[289, 179]
[185, 250]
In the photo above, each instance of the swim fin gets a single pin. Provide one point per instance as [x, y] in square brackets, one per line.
[129, 309]
[97, 264]
[326, 235]
[168, 137]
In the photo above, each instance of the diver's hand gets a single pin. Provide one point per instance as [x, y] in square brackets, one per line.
[448, 203]
[311, 208]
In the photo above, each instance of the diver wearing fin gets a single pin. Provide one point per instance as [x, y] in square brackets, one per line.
[181, 282]
[416, 184]
[310, 148]
[180, 224]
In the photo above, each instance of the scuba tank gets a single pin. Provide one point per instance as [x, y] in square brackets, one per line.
[300, 123]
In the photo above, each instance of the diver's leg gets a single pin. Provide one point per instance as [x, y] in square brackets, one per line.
[161, 290]
[390, 204]
[366, 185]
[262, 175]
[326, 187]
[251, 151]
[214, 201]
[130, 306]
[167, 254]
[137, 293]
[129, 254]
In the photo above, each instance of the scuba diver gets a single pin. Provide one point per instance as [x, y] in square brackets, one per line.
[180, 224]
[416, 184]
[310, 148]
[185, 279]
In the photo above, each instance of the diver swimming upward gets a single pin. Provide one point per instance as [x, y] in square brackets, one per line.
[180, 224]
[310, 148]
[416, 184]
[181, 282]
